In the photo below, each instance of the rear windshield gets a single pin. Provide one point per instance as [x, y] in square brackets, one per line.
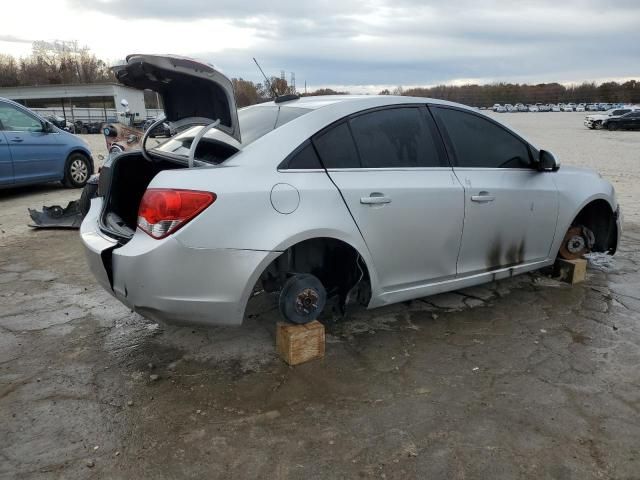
[255, 122]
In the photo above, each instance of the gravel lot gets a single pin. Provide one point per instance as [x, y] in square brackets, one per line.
[524, 378]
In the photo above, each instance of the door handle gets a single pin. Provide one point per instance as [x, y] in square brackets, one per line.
[483, 197]
[375, 199]
[17, 139]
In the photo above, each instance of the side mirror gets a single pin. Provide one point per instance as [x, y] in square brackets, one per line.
[547, 162]
[47, 127]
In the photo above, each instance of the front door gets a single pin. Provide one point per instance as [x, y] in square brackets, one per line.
[37, 155]
[6, 168]
[511, 208]
[391, 170]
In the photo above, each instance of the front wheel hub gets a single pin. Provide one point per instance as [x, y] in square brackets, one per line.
[577, 241]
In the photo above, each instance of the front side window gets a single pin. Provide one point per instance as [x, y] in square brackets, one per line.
[336, 148]
[395, 138]
[480, 143]
[15, 120]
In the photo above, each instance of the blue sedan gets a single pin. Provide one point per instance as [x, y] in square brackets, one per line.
[33, 150]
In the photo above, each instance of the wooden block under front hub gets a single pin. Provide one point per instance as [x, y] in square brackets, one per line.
[571, 271]
[300, 343]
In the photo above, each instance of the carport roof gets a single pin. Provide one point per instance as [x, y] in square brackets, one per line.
[62, 91]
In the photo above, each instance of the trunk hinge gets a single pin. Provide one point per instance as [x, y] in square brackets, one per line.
[196, 140]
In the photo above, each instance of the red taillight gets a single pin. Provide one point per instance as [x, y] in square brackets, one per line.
[163, 211]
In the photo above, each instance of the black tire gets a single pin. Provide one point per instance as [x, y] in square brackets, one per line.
[302, 298]
[77, 171]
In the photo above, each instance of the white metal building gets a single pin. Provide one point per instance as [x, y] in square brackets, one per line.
[100, 100]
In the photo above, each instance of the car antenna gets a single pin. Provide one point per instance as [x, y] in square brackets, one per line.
[266, 79]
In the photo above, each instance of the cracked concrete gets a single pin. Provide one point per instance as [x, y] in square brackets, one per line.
[525, 378]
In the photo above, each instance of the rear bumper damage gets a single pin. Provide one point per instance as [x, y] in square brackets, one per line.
[166, 281]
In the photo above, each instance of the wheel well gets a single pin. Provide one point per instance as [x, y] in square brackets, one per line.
[598, 217]
[337, 265]
[85, 155]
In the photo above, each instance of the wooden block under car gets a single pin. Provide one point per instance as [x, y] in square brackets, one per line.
[300, 343]
[571, 271]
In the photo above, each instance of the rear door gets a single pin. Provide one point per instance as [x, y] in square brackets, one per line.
[391, 168]
[631, 121]
[6, 168]
[511, 208]
[37, 155]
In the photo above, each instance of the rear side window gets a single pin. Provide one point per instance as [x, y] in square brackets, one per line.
[336, 148]
[480, 143]
[395, 138]
[305, 158]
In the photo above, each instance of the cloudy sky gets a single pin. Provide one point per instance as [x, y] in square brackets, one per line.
[361, 46]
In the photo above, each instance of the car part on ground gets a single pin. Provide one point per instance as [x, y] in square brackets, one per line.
[71, 216]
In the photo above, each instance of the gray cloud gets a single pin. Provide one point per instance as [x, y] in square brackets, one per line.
[412, 42]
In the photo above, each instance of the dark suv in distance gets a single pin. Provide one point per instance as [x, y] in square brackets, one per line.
[629, 121]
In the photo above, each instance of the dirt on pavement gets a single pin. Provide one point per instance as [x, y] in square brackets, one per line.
[522, 378]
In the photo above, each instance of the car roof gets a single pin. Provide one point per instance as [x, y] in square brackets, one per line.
[358, 101]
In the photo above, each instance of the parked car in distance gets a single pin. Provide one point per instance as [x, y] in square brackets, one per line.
[555, 108]
[369, 199]
[596, 121]
[510, 108]
[521, 107]
[567, 108]
[533, 108]
[580, 108]
[61, 123]
[628, 121]
[33, 150]
[496, 106]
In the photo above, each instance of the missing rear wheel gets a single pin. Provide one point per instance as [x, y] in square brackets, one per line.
[302, 298]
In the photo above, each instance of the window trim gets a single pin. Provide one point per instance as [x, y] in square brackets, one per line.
[531, 150]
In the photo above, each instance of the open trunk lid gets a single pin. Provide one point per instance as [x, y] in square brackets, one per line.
[192, 92]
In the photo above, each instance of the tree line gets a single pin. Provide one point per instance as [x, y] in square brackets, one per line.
[68, 63]
[487, 95]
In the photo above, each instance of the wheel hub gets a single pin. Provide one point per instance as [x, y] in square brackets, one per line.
[307, 301]
[576, 244]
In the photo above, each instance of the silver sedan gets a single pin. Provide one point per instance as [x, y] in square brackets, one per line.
[369, 199]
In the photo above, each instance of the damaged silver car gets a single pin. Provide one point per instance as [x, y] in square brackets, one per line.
[370, 199]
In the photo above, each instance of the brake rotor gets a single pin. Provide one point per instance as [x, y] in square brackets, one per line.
[575, 244]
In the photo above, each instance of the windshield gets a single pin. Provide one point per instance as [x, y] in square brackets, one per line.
[255, 122]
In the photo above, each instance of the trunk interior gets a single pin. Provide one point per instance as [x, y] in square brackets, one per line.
[123, 184]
